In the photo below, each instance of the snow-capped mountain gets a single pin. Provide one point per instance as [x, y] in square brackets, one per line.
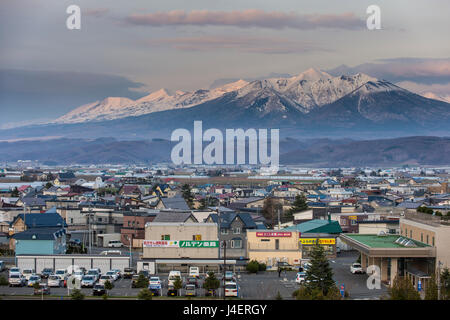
[305, 91]
[161, 100]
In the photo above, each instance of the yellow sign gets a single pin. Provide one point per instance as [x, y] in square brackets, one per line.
[321, 241]
[353, 217]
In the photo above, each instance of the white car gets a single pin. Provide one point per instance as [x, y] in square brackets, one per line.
[88, 281]
[15, 271]
[301, 277]
[105, 278]
[33, 279]
[78, 275]
[54, 281]
[61, 273]
[118, 272]
[113, 275]
[356, 268]
[95, 273]
[16, 280]
[154, 281]
[115, 244]
[27, 273]
[231, 289]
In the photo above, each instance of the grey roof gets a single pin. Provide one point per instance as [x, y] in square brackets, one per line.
[33, 202]
[226, 218]
[40, 234]
[173, 217]
[176, 202]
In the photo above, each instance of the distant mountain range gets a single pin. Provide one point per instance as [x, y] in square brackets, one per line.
[310, 152]
[312, 104]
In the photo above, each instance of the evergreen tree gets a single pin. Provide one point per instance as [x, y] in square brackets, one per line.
[431, 291]
[270, 210]
[445, 284]
[319, 276]
[403, 289]
[298, 205]
[211, 282]
[187, 195]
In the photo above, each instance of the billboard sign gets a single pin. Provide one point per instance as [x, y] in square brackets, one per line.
[268, 234]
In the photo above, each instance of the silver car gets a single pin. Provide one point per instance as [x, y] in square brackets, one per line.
[54, 281]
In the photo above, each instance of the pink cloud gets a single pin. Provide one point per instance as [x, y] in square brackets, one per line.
[248, 18]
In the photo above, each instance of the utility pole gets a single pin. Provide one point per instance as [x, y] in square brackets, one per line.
[279, 222]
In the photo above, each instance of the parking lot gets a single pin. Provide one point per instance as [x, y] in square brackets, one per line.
[261, 286]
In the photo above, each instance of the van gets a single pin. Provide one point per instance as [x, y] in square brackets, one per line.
[173, 275]
[194, 272]
[115, 244]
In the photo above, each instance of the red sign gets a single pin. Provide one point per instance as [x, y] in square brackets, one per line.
[274, 234]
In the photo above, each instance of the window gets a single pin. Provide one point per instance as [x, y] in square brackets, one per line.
[428, 238]
[433, 241]
[165, 237]
[353, 222]
[129, 223]
[410, 234]
[421, 237]
[237, 230]
[277, 244]
[224, 231]
[197, 237]
[236, 243]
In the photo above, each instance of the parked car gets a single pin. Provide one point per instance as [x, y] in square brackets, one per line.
[27, 273]
[306, 266]
[78, 274]
[113, 275]
[16, 280]
[98, 290]
[43, 289]
[75, 242]
[192, 280]
[173, 276]
[194, 272]
[15, 271]
[231, 289]
[128, 273]
[46, 272]
[61, 273]
[88, 281]
[54, 281]
[171, 291]
[356, 268]
[118, 272]
[156, 281]
[146, 273]
[33, 279]
[134, 280]
[301, 277]
[95, 273]
[229, 276]
[105, 278]
[190, 290]
[115, 244]
[155, 287]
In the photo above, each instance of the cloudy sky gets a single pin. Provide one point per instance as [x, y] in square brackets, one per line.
[130, 48]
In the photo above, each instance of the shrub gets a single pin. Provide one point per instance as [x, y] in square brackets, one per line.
[108, 285]
[252, 266]
[278, 296]
[77, 295]
[262, 267]
[144, 294]
[3, 281]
